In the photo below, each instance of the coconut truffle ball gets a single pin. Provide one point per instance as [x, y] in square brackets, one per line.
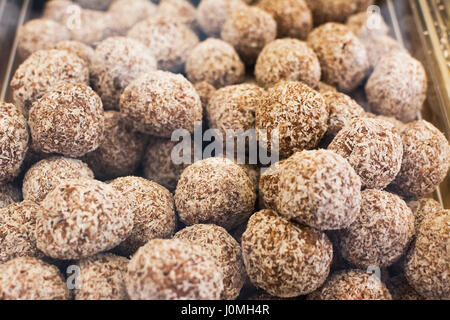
[205, 91]
[268, 186]
[129, 12]
[215, 62]
[9, 194]
[326, 195]
[82, 217]
[76, 118]
[121, 150]
[174, 104]
[170, 41]
[426, 160]
[287, 59]
[215, 190]
[294, 114]
[373, 148]
[13, 141]
[153, 209]
[293, 17]
[47, 174]
[397, 87]
[381, 233]
[179, 10]
[40, 34]
[352, 285]
[380, 46]
[102, 277]
[283, 258]
[342, 56]
[367, 25]
[95, 4]
[43, 70]
[31, 279]
[342, 110]
[82, 50]
[428, 261]
[57, 10]
[173, 270]
[119, 61]
[423, 208]
[224, 249]
[336, 10]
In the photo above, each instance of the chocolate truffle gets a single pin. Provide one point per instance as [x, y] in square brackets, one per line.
[380, 46]
[82, 50]
[268, 186]
[127, 13]
[367, 25]
[424, 208]
[336, 10]
[212, 14]
[179, 10]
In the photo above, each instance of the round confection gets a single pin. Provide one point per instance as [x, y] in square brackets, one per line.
[57, 10]
[215, 190]
[287, 59]
[336, 10]
[95, 4]
[268, 186]
[82, 217]
[13, 141]
[381, 233]
[401, 290]
[428, 261]
[426, 160]
[129, 12]
[294, 114]
[342, 56]
[175, 104]
[205, 91]
[82, 50]
[9, 194]
[293, 17]
[215, 62]
[179, 10]
[173, 270]
[119, 61]
[153, 209]
[380, 46]
[29, 278]
[424, 208]
[170, 41]
[40, 34]
[285, 259]
[43, 70]
[322, 88]
[121, 150]
[397, 86]
[47, 174]
[17, 231]
[76, 117]
[224, 249]
[320, 189]
[102, 277]
[373, 148]
[342, 110]
[352, 285]
[248, 31]
[367, 25]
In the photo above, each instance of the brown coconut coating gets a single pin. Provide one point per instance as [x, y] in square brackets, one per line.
[342, 56]
[170, 41]
[268, 186]
[426, 160]
[342, 110]
[320, 189]
[153, 210]
[174, 104]
[179, 10]
[43, 70]
[205, 91]
[380, 46]
[352, 285]
[82, 50]
[373, 148]
[129, 12]
[397, 86]
[47, 174]
[215, 190]
[9, 194]
[17, 231]
[215, 62]
[224, 249]
[29, 278]
[102, 277]
[424, 208]
[119, 61]
[40, 34]
[283, 258]
[248, 31]
[298, 112]
[68, 119]
[367, 26]
[82, 217]
[14, 139]
[336, 10]
[287, 59]
[428, 261]
[57, 10]
[401, 290]
[121, 150]
[381, 233]
[173, 270]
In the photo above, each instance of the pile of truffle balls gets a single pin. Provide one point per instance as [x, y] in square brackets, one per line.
[93, 207]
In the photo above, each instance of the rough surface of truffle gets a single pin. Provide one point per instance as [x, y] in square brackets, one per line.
[423, 208]
[205, 90]
[82, 50]
[212, 14]
[287, 59]
[127, 13]
[336, 10]
[380, 46]
[225, 249]
[381, 233]
[367, 25]
[9, 194]
[179, 10]
[268, 186]
[173, 270]
[82, 217]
